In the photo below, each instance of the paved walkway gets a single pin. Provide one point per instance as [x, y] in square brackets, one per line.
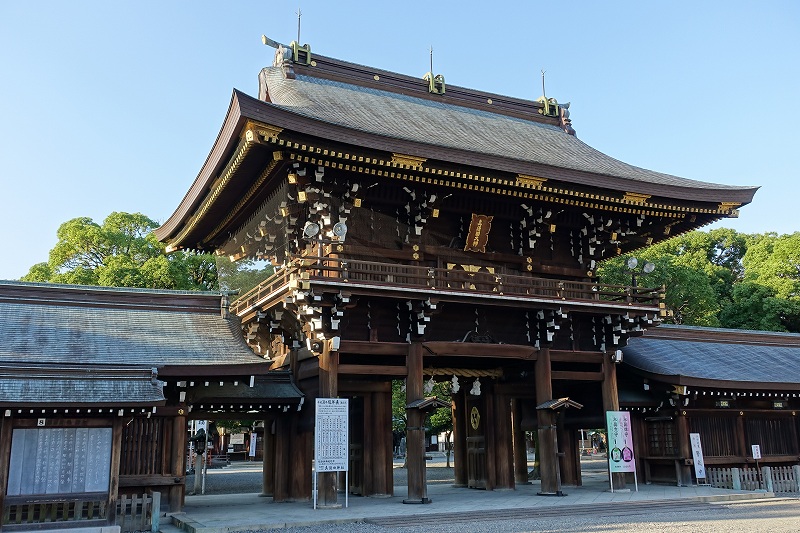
[229, 513]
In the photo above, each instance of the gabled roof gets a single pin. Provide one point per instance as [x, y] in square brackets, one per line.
[172, 331]
[736, 359]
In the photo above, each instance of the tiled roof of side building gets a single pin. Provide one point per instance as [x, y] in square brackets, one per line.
[87, 325]
[394, 115]
[713, 356]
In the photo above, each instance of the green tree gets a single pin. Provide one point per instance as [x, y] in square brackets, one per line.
[121, 252]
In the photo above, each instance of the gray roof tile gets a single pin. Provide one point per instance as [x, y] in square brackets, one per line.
[410, 118]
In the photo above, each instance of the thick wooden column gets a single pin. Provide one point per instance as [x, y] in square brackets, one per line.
[327, 482]
[5, 455]
[503, 443]
[415, 430]
[458, 408]
[300, 486]
[268, 455]
[611, 403]
[548, 448]
[378, 425]
[177, 462]
[116, 452]
[683, 471]
[569, 458]
[283, 444]
[520, 446]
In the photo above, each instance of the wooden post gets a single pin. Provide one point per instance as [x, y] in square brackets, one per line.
[268, 458]
[611, 403]
[301, 451]
[176, 493]
[503, 443]
[684, 450]
[283, 434]
[415, 432]
[520, 446]
[567, 456]
[113, 486]
[380, 426]
[328, 388]
[548, 460]
[458, 409]
[5, 454]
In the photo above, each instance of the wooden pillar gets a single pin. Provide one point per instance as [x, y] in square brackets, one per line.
[268, 457]
[458, 408]
[5, 456]
[415, 431]
[611, 403]
[684, 471]
[503, 443]
[328, 388]
[300, 487]
[520, 446]
[568, 454]
[177, 462]
[548, 460]
[379, 425]
[283, 430]
[116, 452]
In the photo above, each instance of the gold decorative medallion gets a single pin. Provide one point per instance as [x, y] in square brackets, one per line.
[474, 418]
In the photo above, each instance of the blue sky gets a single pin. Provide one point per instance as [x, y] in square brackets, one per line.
[114, 106]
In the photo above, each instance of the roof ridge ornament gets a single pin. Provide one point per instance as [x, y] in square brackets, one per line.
[550, 108]
[436, 83]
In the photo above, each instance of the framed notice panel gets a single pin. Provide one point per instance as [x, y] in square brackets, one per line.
[59, 461]
[331, 449]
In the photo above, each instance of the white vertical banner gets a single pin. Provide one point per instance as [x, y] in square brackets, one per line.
[331, 439]
[697, 456]
[254, 440]
[620, 445]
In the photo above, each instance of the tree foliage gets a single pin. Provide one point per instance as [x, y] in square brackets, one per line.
[124, 252]
[723, 278]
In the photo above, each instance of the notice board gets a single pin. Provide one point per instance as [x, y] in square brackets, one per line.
[59, 461]
[331, 449]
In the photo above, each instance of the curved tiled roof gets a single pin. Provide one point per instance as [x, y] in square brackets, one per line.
[693, 355]
[410, 118]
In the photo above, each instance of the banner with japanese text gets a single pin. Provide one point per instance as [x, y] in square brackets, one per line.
[620, 442]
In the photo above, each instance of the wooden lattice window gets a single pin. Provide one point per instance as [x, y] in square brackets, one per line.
[717, 434]
[661, 438]
[143, 447]
[776, 436]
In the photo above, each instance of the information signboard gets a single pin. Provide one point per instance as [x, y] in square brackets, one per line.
[620, 442]
[697, 455]
[331, 449]
[756, 451]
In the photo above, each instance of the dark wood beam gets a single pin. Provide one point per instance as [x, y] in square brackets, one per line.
[471, 349]
[373, 348]
[577, 376]
[566, 356]
[374, 370]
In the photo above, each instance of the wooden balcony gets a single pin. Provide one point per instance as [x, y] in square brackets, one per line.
[392, 280]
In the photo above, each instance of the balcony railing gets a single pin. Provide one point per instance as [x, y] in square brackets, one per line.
[392, 276]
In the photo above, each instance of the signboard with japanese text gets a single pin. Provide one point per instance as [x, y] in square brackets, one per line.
[620, 442]
[697, 455]
[331, 439]
[756, 451]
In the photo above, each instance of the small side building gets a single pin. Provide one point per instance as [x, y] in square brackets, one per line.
[735, 388]
[97, 385]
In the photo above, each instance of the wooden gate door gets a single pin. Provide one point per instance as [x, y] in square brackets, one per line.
[476, 442]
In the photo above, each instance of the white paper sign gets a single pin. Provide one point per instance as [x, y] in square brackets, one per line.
[331, 439]
[697, 455]
[756, 451]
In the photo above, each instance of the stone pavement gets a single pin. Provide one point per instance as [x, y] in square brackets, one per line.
[229, 513]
